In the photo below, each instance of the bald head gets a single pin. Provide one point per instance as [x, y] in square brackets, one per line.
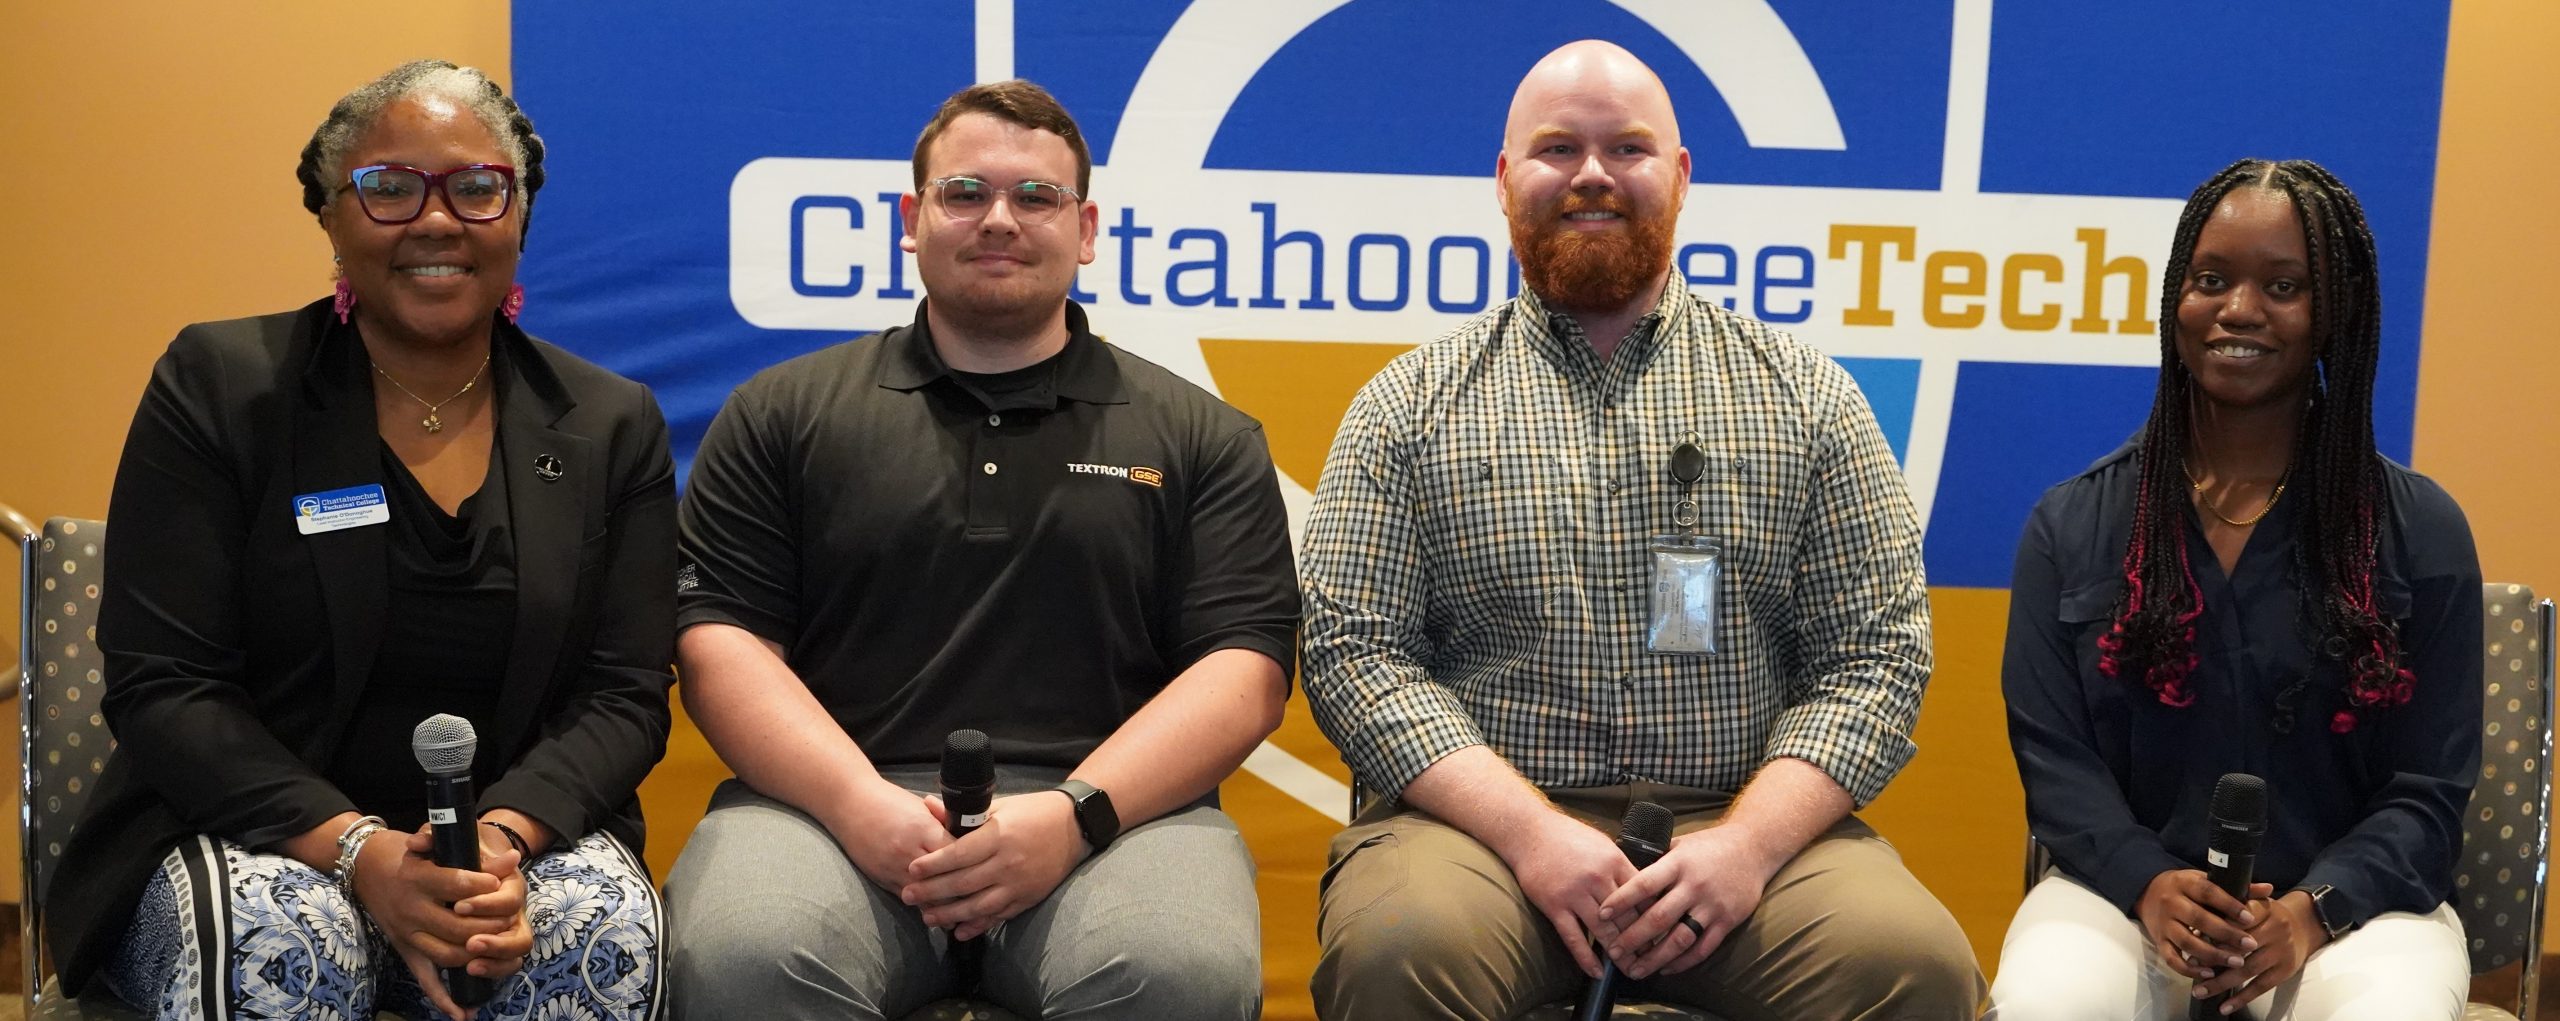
[1586, 77]
[1592, 176]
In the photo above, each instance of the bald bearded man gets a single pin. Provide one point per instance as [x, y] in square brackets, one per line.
[1612, 543]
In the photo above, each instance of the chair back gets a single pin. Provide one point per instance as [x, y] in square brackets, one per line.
[2500, 879]
[64, 744]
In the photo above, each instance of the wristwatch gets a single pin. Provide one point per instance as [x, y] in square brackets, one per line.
[1094, 814]
[2325, 911]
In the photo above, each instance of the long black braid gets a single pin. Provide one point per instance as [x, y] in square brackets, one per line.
[2153, 636]
[324, 154]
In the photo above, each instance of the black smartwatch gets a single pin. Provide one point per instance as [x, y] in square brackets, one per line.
[1094, 814]
[2322, 909]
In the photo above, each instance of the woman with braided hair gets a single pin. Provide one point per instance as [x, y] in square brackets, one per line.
[332, 524]
[2248, 587]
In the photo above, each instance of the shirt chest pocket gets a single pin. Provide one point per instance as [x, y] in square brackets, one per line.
[1492, 528]
[2087, 612]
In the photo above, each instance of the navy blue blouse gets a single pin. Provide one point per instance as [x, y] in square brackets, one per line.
[2119, 785]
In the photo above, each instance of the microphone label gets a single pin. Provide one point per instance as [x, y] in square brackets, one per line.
[441, 815]
[974, 819]
[2217, 859]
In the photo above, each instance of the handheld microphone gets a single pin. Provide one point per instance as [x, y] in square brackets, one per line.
[444, 745]
[1644, 835]
[968, 780]
[2239, 819]
[968, 786]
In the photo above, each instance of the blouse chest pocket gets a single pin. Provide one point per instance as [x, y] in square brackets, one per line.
[1491, 524]
[2087, 612]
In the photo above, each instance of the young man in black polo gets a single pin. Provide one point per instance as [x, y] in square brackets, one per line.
[985, 519]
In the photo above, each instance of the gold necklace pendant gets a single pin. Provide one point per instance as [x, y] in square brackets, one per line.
[432, 423]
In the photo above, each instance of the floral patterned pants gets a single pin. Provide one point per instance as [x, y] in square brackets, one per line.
[224, 932]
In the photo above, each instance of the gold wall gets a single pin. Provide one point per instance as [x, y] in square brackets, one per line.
[148, 184]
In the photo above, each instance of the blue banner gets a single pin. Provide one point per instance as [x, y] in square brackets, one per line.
[1967, 205]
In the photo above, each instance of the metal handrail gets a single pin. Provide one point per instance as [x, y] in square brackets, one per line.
[2529, 979]
[20, 525]
[21, 529]
[30, 908]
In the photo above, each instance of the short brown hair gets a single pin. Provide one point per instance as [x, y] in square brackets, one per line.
[1019, 102]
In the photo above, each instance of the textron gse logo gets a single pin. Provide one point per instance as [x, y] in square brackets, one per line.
[1903, 285]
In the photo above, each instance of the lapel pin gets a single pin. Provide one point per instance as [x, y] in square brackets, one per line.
[546, 467]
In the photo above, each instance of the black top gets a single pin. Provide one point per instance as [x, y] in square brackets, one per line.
[444, 639]
[1032, 554]
[2119, 785]
[238, 649]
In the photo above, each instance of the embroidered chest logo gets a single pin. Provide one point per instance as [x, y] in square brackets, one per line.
[1141, 475]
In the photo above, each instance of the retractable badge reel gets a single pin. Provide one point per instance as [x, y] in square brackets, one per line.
[1688, 568]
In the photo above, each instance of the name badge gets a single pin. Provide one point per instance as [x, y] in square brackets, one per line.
[352, 507]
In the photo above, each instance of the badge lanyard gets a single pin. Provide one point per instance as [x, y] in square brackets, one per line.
[1688, 568]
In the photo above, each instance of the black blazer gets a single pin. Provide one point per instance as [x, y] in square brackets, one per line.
[237, 648]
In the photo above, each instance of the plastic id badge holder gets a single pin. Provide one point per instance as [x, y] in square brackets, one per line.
[1688, 571]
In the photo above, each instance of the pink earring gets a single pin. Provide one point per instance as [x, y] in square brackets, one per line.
[514, 305]
[346, 300]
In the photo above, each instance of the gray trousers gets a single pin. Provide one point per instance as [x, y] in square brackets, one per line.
[768, 919]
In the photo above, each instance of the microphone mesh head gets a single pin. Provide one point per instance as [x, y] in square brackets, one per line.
[444, 744]
[967, 761]
[1647, 822]
[2241, 799]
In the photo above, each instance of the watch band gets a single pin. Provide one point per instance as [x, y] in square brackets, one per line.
[2323, 910]
[1095, 817]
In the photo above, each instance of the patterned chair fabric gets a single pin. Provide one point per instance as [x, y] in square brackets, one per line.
[2500, 880]
[64, 744]
[67, 739]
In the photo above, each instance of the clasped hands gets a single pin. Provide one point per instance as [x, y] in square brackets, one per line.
[2224, 945]
[970, 885]
[1662, 920]
[441, 917]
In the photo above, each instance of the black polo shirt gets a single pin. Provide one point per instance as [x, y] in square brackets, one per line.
[1033, 554]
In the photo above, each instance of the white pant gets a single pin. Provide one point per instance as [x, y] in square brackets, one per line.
[2071, 956]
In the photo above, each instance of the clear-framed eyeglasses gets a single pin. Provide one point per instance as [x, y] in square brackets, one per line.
[967, 198]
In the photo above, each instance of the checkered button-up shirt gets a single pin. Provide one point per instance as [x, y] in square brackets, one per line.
[1476, 571]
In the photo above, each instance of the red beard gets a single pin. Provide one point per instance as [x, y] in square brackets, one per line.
[1591, 271]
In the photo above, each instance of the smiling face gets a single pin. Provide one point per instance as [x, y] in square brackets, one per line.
[434, 280]
[996, 268]
[2244, 314]
[1592, 177]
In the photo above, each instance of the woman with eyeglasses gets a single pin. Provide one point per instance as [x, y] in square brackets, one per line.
[333, 523]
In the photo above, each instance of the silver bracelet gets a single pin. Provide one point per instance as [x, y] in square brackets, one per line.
[350, 843]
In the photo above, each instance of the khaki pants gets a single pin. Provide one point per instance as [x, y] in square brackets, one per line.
[1418, 920]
